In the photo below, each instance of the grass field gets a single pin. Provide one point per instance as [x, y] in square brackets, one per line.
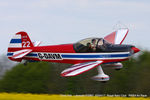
[15, 96]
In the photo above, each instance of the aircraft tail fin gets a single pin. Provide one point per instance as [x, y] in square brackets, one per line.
[20, 41]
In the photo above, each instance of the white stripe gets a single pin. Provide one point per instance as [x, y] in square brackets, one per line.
[76, 66]
[21, 53]
[15, 45]
[82, 58]
[120, 35]
[77, 71]
[17, 37]
[37, 43]
[95, 58]
[86, 53]
[80, 70]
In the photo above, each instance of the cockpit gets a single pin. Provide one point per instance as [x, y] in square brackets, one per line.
[91, 45]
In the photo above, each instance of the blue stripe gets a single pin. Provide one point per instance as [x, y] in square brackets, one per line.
[95, 56]
[35, 55]
[83, 56]
[9, 54]
[15, 41]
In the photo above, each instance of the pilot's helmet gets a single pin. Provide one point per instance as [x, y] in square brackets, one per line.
[88, 44]
[93, 40]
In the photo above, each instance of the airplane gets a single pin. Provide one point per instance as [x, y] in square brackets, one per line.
[85, 54]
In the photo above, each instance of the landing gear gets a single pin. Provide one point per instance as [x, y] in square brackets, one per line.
[116, 66]
[101, 76]
[25, 62]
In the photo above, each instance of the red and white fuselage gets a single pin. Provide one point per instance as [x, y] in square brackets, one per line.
[21, 48]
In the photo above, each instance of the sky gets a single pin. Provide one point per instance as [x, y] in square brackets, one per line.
[68, 21]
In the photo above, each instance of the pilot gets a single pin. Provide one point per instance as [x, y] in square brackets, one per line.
[93, 45]
[89, 49]
[100, 44]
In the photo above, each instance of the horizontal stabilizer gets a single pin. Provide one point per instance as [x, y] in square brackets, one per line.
[21, 53]
[37, 43]
[80, 68]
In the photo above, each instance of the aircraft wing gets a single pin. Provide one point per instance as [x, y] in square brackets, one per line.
[80, 68]
[21, 53]
[118, 36]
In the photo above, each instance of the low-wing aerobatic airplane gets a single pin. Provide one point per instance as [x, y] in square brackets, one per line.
[85, 54]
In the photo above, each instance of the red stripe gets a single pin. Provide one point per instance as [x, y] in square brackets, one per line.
[70, 61]
[19, 54]
[65, 48]
[35, 59]
[18, 60]
[17, 49]
[86, 70]
[65, 73]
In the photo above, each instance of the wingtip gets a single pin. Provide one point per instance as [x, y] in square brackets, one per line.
[66, 75]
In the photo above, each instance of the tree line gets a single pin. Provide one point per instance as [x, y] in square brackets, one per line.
[44, 77]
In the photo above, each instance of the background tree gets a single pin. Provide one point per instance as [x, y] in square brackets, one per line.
[43, 77]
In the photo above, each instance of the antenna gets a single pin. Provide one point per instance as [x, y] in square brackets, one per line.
[119, 25]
